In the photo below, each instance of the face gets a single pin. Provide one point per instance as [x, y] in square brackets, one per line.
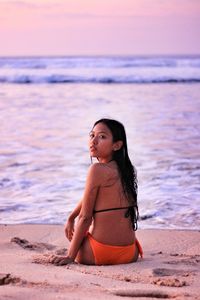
[101, 143]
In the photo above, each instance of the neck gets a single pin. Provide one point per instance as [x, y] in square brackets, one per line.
[105, 161]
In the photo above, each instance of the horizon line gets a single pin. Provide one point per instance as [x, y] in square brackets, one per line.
[99, 55]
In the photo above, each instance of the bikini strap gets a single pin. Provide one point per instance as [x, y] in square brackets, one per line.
[114, 208]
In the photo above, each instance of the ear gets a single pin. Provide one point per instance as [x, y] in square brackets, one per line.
[117, 145]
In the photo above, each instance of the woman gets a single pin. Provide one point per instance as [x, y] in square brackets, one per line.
[108, 211]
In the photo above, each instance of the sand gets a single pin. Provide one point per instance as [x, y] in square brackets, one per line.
[169, 269]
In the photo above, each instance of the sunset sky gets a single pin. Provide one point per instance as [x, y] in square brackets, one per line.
[99, 27]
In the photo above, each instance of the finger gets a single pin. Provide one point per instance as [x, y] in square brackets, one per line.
[52, 258]
[70, 235]
[66, 232]
[56, 263]
[62, 262]
[59, 261]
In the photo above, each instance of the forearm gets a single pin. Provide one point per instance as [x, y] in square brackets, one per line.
[76, 211]
[79, 234]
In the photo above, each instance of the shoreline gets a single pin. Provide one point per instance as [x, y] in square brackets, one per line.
[139, 229]
[169, 269]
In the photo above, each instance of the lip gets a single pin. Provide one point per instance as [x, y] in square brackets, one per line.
[92, 148]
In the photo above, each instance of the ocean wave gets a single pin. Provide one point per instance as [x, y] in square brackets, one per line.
[59, 79]
[104, 70]
[98, 62]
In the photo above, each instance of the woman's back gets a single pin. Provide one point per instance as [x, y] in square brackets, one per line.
[111, 226]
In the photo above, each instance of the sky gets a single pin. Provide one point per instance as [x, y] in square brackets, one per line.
[99, 27]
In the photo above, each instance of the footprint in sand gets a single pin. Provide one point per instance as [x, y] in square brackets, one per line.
[172, 282]
[7, 279]
[136, 293]
[190, 261]
[168, 272]
[32, 246]
[40, 259]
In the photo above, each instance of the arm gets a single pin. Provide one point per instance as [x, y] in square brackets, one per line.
[85, 216]
[69, 226]
[93, 183]
[76, 211]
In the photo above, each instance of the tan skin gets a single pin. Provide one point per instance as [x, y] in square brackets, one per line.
[103, 190]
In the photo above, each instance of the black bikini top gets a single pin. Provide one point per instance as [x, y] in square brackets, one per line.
[130, 212]
[113, 208]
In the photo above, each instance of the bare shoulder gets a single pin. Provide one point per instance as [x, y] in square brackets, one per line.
[99, 172]
[97, 169]
[94, 178]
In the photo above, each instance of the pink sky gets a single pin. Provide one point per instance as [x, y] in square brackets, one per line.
[99, 27]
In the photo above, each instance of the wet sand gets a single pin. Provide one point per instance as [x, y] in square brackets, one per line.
[169, 269]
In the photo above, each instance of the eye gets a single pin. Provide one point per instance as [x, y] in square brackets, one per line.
[91, 135]
[101, 136]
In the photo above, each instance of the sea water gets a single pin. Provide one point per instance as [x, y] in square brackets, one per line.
[47, 108]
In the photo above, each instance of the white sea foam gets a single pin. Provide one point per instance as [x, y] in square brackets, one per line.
[100, 70]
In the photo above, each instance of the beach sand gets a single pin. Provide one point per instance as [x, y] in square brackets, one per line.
[169, 269]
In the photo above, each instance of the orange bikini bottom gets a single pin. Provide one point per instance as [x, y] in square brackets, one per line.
[113, 255]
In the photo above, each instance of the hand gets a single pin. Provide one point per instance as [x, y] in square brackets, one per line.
[60, 260]
[69, 229]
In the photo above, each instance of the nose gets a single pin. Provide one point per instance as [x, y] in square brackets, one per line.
[94, 140]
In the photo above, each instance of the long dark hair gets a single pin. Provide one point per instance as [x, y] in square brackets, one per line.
[126, 169]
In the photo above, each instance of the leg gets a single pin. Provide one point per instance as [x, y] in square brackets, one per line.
[85, 254]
